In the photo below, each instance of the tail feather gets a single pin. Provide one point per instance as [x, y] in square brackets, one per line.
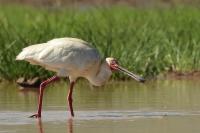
[21, 56]
[30, 51]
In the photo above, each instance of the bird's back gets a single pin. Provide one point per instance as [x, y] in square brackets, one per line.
[62, 55]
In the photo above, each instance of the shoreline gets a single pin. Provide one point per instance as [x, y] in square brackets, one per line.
[170, 75]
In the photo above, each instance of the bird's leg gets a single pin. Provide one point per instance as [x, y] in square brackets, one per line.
[42, 86]
[69, 98]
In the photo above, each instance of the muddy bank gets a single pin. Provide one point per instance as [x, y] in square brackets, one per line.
[29, 83]
[179, 75]
[35, 82]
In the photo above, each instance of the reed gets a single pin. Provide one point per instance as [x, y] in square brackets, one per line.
[147, 41]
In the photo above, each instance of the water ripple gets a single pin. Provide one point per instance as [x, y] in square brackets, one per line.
[18, 118]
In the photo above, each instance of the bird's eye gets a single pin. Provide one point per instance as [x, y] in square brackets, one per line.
[114, 62]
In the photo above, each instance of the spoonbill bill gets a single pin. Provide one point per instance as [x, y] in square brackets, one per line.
[73, 58]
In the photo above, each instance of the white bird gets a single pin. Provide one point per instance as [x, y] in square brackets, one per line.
[73, 58]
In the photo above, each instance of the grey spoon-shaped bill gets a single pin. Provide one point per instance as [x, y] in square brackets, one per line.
[134, 76]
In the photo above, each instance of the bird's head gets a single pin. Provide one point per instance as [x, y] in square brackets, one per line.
[114, 66]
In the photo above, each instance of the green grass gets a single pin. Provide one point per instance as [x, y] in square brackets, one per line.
[146, 41]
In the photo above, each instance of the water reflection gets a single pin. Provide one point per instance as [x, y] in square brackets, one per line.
[117, 107]
[40, 127]
[42, 130]
[114, 96]
[70, 125]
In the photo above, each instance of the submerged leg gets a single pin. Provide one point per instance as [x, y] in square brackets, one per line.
[69, 98]
[42, 86]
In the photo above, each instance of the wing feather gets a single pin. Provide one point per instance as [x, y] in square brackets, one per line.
[60, 54]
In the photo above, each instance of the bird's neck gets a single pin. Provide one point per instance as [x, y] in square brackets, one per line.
[101, 76]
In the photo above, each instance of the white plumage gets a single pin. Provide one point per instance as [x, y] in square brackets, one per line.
[73, 58]
[68, 57]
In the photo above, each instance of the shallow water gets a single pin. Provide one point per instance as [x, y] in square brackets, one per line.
[156, 106]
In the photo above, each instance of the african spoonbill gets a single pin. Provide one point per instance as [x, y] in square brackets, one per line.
[73, 58]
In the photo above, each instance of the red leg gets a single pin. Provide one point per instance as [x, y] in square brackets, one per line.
[42, 86]
[69, 98]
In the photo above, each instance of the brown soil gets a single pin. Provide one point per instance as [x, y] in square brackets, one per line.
[180, 75]
[29, 83]
[35, 82]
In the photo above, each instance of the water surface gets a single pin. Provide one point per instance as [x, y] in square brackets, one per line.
[156, 106]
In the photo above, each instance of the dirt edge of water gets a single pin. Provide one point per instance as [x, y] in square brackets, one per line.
[35, 82]
[179, 75]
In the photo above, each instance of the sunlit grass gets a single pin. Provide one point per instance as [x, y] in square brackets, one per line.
[146, 41]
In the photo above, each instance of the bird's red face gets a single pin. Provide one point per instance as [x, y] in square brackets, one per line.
[114, 66]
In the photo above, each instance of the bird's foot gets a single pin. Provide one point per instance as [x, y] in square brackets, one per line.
[35, 116]
[72, 114]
